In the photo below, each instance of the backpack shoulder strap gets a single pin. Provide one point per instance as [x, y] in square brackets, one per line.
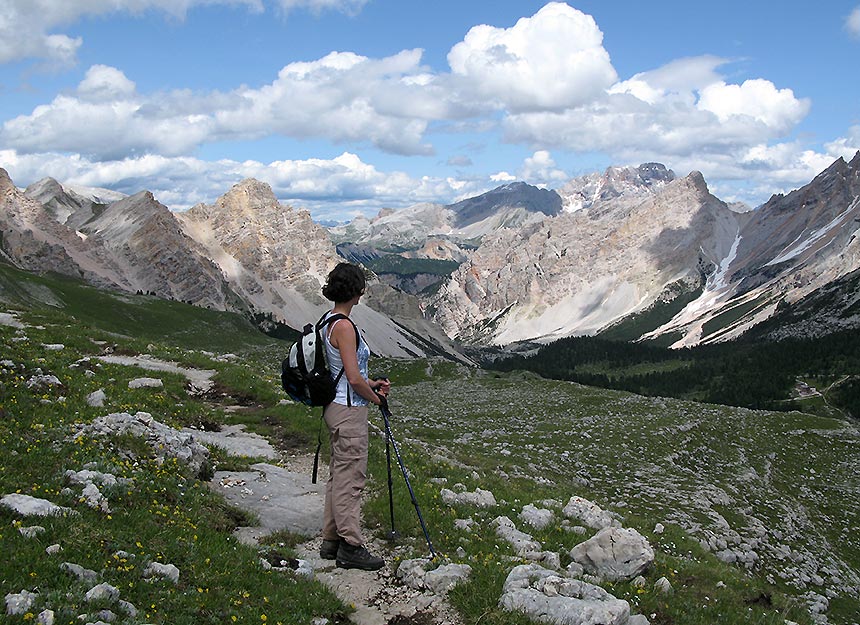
[323, 322]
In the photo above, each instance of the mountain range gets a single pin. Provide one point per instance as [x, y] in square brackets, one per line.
[636, 249]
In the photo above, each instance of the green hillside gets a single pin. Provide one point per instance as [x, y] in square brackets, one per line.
[783, 485]
[746, 373]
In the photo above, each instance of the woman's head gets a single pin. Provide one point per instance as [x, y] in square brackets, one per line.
[344, 282]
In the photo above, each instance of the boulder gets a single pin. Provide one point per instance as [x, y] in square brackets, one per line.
[25, 505]
[479, 498]
[589, 513]
[145, 383]
[614, 553]
[538, 518]
[96, 399]
[165, 571]
[420, 574]
[102, 592]
[549, 597]
[521, 542]
[165, 441]
[20, 603]
[83, 574]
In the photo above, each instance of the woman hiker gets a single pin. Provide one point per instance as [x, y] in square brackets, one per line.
[346, 418]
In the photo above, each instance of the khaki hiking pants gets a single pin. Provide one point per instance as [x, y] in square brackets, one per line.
[347, 426]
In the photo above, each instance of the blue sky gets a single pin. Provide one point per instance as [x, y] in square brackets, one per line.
[349, 106]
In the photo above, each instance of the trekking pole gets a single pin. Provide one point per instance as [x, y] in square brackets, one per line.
[386, 414]
[392, 535]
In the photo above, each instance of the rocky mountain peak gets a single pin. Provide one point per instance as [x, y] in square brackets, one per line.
[248, 196]
[5, 181]
[593, 190]
[44, 189]
[512, 195]
[247, 202]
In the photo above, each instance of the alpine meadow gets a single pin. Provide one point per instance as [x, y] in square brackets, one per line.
[605, 256]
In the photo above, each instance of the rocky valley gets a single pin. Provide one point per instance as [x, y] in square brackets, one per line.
[515, 264]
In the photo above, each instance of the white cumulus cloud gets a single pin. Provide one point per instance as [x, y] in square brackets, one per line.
[337, 188]
[27, 27]
[540, 169]
[105, 83]
[846, 146]
[343, 97]
[554, 59]
[852, 23]
[673, 111]
[758, 99]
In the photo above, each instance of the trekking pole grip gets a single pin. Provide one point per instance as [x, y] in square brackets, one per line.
[383, 403]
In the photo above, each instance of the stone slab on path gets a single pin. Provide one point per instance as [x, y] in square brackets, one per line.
[200, 379]
[281, 498]
[236, 441]
[285, 499]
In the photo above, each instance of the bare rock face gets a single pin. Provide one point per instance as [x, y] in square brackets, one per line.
[155, 254]
[33, 239]
[71, 207]
[627, 236]
[275, 257]
[802, 245]
[594, 191]
[582, 270]
[132, 244]
[278, 259]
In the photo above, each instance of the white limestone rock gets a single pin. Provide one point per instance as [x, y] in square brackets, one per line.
[521, 542]
[589, 513]
[421, 573]
[102, 592]
[538, 518]
[559, 600]
[164, 571]
[614, 553]
[146, 383]
[442, 579]
[45, 617]
[31, 531]
[96, 399]
[19, 603]
[83, 574]
[43, 381]
[25, 505]
[479, 498]
[663, 586]
[165, 441]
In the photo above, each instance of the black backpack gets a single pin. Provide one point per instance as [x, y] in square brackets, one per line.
[305, 374]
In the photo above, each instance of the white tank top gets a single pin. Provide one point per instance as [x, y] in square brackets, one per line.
[346, 396]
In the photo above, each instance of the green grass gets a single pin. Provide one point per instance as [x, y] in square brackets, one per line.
[162, 514]
[696, 468]
[648, 460]
[394, 263]
[729, 316]
[659, 313]
[142, 318]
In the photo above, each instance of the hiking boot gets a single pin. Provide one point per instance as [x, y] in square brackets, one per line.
[328, 550]
[352, 557]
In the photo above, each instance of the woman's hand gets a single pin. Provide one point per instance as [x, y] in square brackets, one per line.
[381, 386]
